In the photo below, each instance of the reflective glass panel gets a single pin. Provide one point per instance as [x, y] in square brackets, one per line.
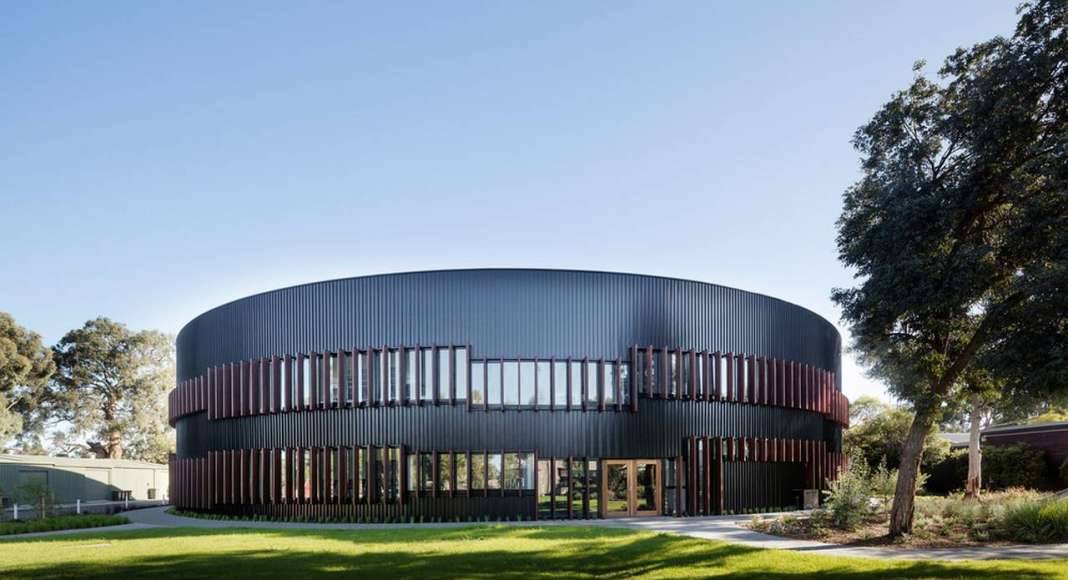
[560, 387]
[511, 383]
[493, 383]
[444, 373]
[543, 379]
[460, 372]
[576, 383]
[527, 393]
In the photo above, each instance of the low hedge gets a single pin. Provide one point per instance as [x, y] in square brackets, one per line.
[1038, 522]
[55, 523]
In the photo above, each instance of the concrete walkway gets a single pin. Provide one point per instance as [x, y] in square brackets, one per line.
[724, 528]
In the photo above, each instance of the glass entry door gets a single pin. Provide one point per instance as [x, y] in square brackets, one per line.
[630, 487]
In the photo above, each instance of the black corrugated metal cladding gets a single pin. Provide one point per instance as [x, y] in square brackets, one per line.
[508, 313]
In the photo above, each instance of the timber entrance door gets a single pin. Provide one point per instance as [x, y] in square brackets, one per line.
[630, 487]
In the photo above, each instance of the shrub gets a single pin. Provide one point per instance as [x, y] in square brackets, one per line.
[849, 498]
[1015, 465]
[59, 523]
[1004, 466]
[1035, 522]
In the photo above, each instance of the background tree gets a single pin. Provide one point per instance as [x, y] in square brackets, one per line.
[877, 434]
[958, 229]
[111, 387]
[25, 367]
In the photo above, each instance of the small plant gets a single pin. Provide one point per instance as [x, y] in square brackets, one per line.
[849, 497]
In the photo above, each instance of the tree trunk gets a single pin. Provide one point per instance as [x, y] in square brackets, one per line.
[973, 486]
[114, 445]
[911, 454]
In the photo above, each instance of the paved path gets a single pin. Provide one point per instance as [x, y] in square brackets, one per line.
[724, 528]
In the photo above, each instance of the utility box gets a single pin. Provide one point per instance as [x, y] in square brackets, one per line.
[810, 499]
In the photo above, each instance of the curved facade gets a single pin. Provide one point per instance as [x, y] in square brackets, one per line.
[504, 393]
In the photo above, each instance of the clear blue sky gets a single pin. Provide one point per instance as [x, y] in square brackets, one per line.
[157, 159]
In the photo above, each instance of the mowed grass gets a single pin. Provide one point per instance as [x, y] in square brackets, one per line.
[475, 552]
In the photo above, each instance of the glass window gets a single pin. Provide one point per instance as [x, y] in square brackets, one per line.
[527, 393]
[283, 384]
[723, 388]
[379, 376]
[427, 391]
[444, 373]
[478, 382]
[624, 382]
[545, 488]
[576, 384]
[511, 383]
[444, 472]
[518, 471]
[609, 383]
[309, 381]
[493, 465]
[595, 487]
[283, 475]
[426, 464]
[461, 372]
[478, 471]
[592, 384]
[413, 471]
[365, 385]
[394, 473]
[743, 378]
[306, 485]
[394, 374]
[345, 361]
[513, 478]
[560, 386]
[639, 369]
[361, 466]
[578, 484]
[542, 371]
[673, 374]
[654, 373]
[684, 384]
[334, 474]
[699, 372]
[381, 473]
[335, 375]
[493, 383]
[410, 370]
[460, 465]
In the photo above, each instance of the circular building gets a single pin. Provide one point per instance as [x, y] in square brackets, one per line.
[504, 393]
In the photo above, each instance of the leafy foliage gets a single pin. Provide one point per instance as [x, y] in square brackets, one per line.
[878, 432]
[54, 523]
[1004, 467]
[958, 229]
[25, 367]
[111, 387]
[849, 498]
[1036, 522]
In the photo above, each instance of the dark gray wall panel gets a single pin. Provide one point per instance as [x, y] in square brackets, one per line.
[657, 430]
[508, 313]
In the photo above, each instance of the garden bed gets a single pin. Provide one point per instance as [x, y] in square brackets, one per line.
[1012, 516]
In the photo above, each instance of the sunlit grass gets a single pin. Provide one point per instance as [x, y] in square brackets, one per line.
[471, 552]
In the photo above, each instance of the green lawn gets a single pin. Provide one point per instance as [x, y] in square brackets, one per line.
[474, 552]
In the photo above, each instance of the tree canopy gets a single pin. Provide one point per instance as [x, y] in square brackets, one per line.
[958, 229]
[111, 386]
[25, 367]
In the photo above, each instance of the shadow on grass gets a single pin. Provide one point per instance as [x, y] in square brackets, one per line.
[556, 552]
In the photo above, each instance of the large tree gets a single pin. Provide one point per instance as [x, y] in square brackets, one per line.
[110, 387]
[958, 229]
[25, 367]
